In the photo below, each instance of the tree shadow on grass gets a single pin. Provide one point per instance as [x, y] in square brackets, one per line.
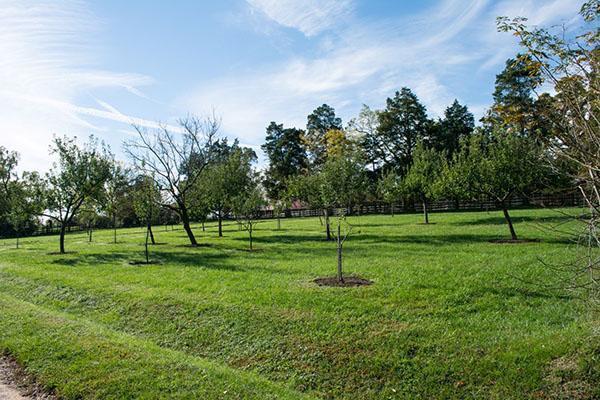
[437, 240]
[555, 219]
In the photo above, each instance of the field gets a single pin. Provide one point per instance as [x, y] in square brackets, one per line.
[450, 315]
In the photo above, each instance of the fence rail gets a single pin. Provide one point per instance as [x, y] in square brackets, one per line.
[573, 199]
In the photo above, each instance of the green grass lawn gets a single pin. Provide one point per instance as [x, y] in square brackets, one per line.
[450, 315]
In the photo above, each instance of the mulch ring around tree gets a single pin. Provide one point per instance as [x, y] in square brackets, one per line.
[513, 241]
[349, 281]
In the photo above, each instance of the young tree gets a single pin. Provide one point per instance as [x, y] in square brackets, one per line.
[146, 203]
[389, 189]
[343, 184]
[340, 184]
[248, 206]
[421, 179]
[78, 176]
[221, 182]
[115, 194]
[22, 205]
[175, 164]
[88, 217]
[571, 64]
[319, 122]
[498, 167]
[8, 163]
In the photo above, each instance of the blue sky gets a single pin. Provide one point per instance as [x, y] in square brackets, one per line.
[95, 67]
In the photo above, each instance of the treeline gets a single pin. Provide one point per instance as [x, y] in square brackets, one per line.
[400, 154]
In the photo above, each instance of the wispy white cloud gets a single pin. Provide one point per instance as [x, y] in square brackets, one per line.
[46, 69]
[310, 17]
[435, 53]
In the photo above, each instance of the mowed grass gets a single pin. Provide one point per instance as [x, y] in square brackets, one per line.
[450, 315]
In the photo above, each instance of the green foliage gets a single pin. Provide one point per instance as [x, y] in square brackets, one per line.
[23, 208]
[225, 179]
[422, 177]
[248, 205]
[402, 124]
[457, 124]
[498, 167]
[389, 187]
[340, 183]
[146, 198]
[78, 176]
[115, 191]
[287, 158]
[364, 127]
[319, 122]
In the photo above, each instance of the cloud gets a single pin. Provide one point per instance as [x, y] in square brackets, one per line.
[47, 68]
[310, 17]
[439, 53]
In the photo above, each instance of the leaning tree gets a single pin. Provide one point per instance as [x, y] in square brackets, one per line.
[570, 63]
[175, 157]
[497, 167]
[78, 176]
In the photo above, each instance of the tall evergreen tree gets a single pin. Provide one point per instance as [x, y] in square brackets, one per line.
[401, 125]
[513, 95]
[287, 158]
[319, 122]
[458, 122]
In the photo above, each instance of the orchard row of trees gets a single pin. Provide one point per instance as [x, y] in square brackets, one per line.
[400, 154]
[526, 142]
[172, 179]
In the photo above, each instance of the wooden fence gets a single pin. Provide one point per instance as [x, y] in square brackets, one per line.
[573, 199]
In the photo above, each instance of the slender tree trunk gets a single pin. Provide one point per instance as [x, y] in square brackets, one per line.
[513, 234]
[203, 227]
[17, 240]
[149, 228]
[250, 233]
[63, 230]
[220, 224]
[89, 233]
[327, 225]
[340, 276]
[114, 228]
[185, 219]
[425, 210]
[392, 207]
[146, 244]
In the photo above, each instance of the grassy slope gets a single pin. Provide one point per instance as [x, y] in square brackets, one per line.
[447, 316]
